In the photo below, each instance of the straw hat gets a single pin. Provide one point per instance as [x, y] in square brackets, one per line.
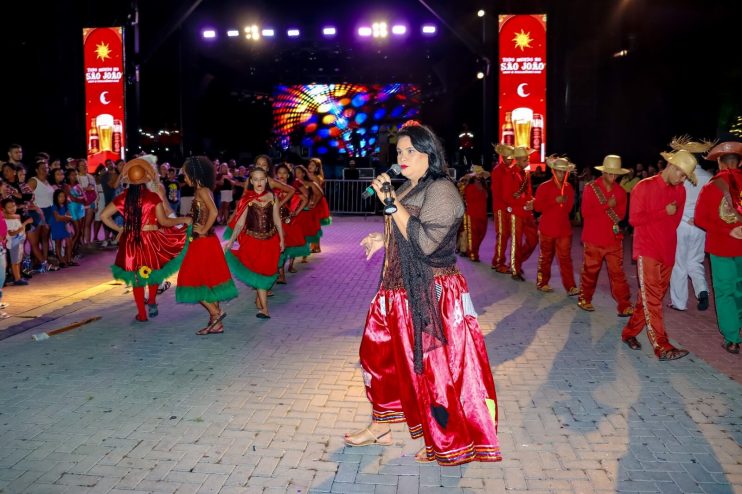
[728, 147]
[684, 143]
[138, 171]
[504, 150]
[557, 163]
[522, 152]
[685, 161]
[479, 171]
[612, 164]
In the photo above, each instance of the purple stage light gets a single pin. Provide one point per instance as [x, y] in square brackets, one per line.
[365, 31]
[208, 34]
[399, 29]
[429, 29]
[329, 31]
[233, 33]
[293, 33]
[268, 32]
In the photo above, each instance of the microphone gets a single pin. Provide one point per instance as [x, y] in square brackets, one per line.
[393, 171]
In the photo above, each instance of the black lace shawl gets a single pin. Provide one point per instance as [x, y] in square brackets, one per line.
[430, 243]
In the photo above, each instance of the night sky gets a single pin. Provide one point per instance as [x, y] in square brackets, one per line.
[682, 74]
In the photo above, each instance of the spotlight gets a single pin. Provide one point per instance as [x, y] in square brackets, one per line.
[379, 29]
[208, 34]
[293, 33]
[233, 33]
[268, 33]
[364, 31]
[429, 29]
[480, 75]
[480, 13]
[399, 29]
[329, 31]
[252, 32]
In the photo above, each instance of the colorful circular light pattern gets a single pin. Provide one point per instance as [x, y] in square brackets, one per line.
[342, 116]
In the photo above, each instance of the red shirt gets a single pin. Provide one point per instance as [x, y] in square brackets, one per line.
[497, 177]
[718, 240]
[655, 231]
[511, 184]
[598, 226]
[475, 198]
[554, 221]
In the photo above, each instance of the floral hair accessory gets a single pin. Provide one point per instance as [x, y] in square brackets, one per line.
[411, 123]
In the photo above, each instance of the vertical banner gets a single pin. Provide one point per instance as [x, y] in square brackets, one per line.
[104, 94]
[522, 99]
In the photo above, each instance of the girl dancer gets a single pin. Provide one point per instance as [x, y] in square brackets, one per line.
[322, 209]
[309, 220]
[260, 235]
[204, 277]
[291, 204]
[147, 254]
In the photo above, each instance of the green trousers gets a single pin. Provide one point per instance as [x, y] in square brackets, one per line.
[727, 279]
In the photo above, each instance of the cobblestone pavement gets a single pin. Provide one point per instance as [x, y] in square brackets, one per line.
[119, 406]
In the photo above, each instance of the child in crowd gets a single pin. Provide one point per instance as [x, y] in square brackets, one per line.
[172, 190]
[60, 234]
[16, 238]
[3, 263]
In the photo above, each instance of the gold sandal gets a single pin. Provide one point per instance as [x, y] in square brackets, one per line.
[422, 456]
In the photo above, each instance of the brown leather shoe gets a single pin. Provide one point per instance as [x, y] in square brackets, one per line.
[672, 354]
[586, 306]
[573, 292]
[633, 343]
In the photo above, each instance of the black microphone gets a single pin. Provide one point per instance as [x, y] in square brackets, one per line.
[393, 171]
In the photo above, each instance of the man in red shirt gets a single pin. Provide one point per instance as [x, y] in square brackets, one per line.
[554, 200]
[603, 207]
[499, 209]
[656, 211]
[719, 212]
[475, 202]
[518, 196]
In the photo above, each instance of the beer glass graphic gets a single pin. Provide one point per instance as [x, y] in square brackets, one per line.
[104, 122]
[522, 118]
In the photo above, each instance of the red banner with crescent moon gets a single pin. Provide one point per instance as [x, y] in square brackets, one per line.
[522, 101]
[104, 94]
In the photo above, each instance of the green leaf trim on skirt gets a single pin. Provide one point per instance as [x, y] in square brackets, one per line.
[194, 295]
[326, 221]
[247, 277]
[300, 251]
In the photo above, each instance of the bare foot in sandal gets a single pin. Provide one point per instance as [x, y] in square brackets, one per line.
[422, 456]
[373, 434]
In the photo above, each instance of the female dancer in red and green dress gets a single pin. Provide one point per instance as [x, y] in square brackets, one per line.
[322, 209]
[308, 218]
[259, 233]
[204, 277]
[147, 253]
[291, 204]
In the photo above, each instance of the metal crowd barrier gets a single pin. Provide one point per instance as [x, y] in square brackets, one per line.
[344, 197]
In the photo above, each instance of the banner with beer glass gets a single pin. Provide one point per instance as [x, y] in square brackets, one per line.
[104, 94]
[522, 100]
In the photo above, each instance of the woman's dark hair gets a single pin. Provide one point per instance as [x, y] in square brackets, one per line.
[425, 141]
[287, 168]
[266, 158]
[133, 212]
[58, 193]
[99, 169]
[69, 172]
[201, 171]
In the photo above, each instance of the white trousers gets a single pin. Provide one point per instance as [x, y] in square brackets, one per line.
[688, 263]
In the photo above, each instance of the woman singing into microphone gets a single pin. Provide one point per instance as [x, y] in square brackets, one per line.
[422, 353]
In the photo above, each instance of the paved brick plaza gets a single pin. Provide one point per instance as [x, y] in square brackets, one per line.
[119, 406]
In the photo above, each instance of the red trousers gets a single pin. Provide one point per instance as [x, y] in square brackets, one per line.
[654, 281]
[456, 382]
[563, 248]
[591, 265]
[478, 228]
[524, 241]
[502, 235]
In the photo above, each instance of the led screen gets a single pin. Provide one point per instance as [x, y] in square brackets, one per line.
[347, 119]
